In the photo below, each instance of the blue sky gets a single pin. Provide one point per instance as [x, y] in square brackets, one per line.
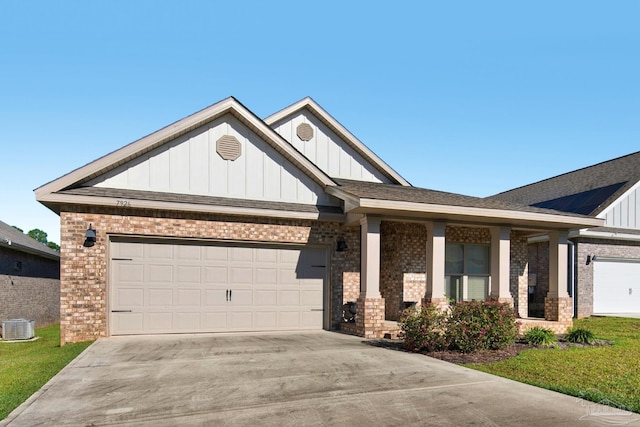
[462, 96]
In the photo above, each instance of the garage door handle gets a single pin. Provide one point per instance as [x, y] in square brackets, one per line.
[121, 311]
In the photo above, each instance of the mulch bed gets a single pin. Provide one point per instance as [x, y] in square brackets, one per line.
[482, 356]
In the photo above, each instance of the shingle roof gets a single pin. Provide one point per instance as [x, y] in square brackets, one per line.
[586, 191]
[194, 199]
[13, 238]
[372, 190]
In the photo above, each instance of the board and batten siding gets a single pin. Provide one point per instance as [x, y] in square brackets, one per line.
[625, 213]
[190, 165]
[327, 150]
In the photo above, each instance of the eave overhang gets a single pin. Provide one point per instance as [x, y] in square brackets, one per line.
[461, 214]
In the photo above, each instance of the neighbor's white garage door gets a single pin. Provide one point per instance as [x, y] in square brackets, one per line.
[187, 287]
[616, 287]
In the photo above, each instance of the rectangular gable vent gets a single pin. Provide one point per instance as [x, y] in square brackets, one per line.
[18, 329]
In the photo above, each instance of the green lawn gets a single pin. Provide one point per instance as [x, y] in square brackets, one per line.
[599, 374]
[27, 366]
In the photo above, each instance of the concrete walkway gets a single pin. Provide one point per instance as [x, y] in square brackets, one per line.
[287, 379]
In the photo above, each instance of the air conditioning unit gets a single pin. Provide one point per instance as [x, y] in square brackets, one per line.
[18, 329]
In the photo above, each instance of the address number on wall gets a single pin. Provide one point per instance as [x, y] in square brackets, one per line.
[123, 203]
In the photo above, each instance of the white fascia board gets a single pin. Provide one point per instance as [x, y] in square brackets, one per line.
[481, 213]
[343, 132]
[189, 207]
[608, 235]
[228, 105]
[612, 205]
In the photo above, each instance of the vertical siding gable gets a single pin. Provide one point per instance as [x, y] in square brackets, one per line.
[190, 164]
[625, 212]
[327, 150]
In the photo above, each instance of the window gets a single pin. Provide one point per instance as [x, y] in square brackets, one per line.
[466, 271]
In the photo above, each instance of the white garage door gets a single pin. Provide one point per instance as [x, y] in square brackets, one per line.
[616, 287]
[187, 287]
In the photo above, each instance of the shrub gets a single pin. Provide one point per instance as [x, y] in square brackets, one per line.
[540, 336]
[423, 329]
[580, 335]
[481, 325]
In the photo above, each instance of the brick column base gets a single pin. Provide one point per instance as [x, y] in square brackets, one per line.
[370, 317]
[558, 309]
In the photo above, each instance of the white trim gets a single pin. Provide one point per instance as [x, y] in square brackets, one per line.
[606, 235]
[613, 204]
[189, 207]
[597, 258]
[343, 132]
[496, 214]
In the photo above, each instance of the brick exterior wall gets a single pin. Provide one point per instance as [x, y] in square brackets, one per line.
[33, 298]
[29, 287]
[478, 235]
[403, 249]
[605, 248]
[84, 274]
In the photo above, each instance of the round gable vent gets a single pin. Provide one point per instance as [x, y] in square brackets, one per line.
[304, 131]
[228, 147]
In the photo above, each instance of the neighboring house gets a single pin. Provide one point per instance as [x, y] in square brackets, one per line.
[29, 279]
[223, 221]
[605, 259]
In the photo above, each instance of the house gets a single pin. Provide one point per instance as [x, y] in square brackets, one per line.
[29, 278]
[223, 221]
[605, 259]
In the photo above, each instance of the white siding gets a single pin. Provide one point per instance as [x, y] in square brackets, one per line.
[625, 213]
[191, 165]
[327, 150]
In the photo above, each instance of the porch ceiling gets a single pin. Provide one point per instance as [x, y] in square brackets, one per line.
[422, 204]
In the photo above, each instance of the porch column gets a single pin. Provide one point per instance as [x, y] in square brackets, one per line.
[557, 304]
[370, 257]
[370, 312]
[435, 292]
[500, 264]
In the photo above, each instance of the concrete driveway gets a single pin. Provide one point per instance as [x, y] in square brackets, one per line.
[287, 379]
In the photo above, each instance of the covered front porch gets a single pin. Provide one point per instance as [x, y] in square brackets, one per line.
[414, 253]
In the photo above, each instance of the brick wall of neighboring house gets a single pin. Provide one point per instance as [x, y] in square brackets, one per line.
[33, 298]
[604, 248]
[538, 274]
[29, 287]
[84, 270]
[18, 263]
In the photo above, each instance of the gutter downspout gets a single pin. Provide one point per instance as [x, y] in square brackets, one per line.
[572, 283]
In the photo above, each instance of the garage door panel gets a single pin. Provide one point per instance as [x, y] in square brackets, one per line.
[266, 297]
[212, 288]
[216, 274]
[159, 297]
[188, 274]
[188, 297]
[616, 287]
[159, 273]
[158, 321]
[128, 298]
[158, 252]
[188, 321]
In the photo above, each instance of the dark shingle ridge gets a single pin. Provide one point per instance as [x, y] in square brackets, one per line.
[623, 171]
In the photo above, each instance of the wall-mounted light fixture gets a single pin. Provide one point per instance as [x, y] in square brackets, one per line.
[342, 245]
[89, 237]
[590, 258]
